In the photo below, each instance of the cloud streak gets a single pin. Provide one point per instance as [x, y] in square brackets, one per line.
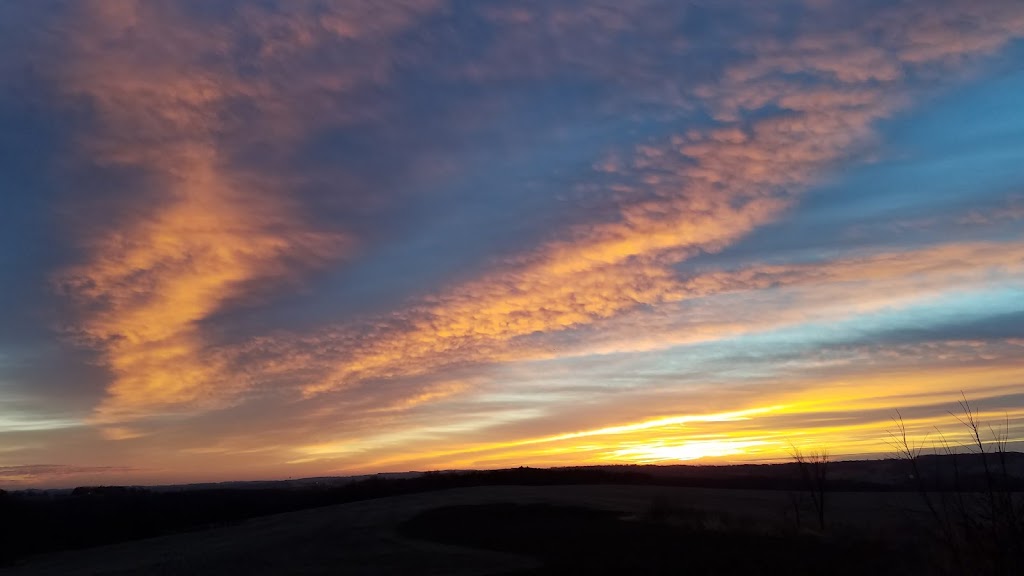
[205, 232]
[698, 192]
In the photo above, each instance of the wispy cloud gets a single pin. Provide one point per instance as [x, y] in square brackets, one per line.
[205, 233]
[40, 474]
[697, 192]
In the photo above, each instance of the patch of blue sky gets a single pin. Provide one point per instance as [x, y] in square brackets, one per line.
[773, 351]
[952, 150]
[956, 153]
[941, 311]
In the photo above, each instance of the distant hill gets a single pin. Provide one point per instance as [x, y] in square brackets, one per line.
[884, 474]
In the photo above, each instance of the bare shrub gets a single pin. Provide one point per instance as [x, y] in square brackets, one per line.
[979, 528]
[813, 468]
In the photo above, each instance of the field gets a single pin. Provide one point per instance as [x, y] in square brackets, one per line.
[953, 514]
[366, 537]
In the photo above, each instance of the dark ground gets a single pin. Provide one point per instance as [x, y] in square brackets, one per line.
[596, 520]
[574, 540]
[703, 528]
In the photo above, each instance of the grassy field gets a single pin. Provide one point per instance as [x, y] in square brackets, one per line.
[394, 536]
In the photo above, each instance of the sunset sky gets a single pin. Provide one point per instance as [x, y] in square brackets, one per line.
[289, 238]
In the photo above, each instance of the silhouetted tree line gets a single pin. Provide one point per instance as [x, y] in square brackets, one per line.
[33, 522]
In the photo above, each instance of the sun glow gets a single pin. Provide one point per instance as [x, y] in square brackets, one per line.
[696, 450]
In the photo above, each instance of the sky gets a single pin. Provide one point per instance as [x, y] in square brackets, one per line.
[290, 238]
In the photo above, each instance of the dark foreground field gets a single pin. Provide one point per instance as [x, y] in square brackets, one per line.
[595, 521]
[529, 530]
[578, 540]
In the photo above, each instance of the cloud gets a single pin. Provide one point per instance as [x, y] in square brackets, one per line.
[952, 30]
[205, 232]
[696, 192]
[720, 304]
[616, 363]
[1012, 211]
[39, 474]
[201, 128]
[760, 438]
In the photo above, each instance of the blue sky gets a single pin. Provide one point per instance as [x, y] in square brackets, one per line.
[281, 239]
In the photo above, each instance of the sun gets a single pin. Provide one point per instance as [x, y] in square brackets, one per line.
[687, 451]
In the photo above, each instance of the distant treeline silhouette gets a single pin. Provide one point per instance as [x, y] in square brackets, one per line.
[33, 522]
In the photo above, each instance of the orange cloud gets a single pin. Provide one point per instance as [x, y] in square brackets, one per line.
[697, 192]
[162, 91]
[832, 290]
[45, 474]
[849, 380]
